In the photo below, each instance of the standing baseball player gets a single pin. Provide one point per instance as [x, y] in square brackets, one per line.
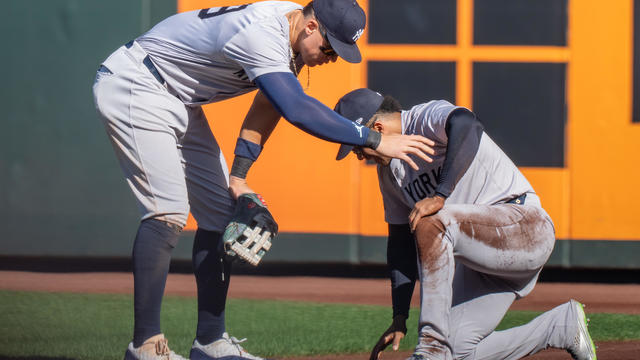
[477, 230]
[149, 94]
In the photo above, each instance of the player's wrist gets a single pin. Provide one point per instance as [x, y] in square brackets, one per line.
[247, 149]
[400, 318]
[373, 139]
[440, 197]
[240, 167]
[238, 187]
[399, 323]
[440, 193]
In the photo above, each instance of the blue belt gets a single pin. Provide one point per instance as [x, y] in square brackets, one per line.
[519, 200]
[147, 62]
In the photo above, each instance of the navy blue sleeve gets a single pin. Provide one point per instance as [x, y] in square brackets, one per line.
[464, 132]
[402, 262]
[285, 93]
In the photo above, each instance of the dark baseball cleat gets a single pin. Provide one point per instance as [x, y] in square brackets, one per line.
[226, 348]
[583, 347]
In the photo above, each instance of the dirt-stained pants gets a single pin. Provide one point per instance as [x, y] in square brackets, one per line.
[496, 253]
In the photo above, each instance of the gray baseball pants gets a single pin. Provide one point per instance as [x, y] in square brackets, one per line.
[474, 261]
[169, 156]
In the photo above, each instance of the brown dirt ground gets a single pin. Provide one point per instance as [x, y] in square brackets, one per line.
[598, 297]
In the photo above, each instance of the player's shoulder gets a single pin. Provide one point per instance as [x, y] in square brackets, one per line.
[241, 17]
[278, 3]
[261, 28]
[433, 110]
[266, 19]
[269, 8]
[432, 105]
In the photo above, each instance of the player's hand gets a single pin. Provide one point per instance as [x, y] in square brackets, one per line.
[400, 146]
[392, 335]
[238, 186]
[425, 207]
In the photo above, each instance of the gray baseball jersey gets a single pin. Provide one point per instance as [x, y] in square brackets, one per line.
[214, 54]
[491, 178]
[161, 136]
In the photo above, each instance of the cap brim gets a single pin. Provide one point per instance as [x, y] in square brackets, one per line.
[349, 52]
[344, 151]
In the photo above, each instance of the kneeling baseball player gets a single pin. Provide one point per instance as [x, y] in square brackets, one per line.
[478, 232]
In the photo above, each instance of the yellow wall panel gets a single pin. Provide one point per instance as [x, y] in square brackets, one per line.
[604, 145]
[552, 186]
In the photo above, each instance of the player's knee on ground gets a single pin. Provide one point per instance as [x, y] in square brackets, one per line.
[464, 347]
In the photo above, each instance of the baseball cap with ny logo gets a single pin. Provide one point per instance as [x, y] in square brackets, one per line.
[344, 21]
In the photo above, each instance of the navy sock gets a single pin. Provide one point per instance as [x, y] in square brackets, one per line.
[151, 257]
[212, 277]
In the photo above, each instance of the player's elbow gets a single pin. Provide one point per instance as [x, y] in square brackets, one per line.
[286, 95]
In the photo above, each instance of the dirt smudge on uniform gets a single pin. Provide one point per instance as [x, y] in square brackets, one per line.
[429, 234]
[504, 228]
[432, 346]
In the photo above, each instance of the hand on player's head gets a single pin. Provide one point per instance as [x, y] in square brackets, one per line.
[370, 154]
[401, 146]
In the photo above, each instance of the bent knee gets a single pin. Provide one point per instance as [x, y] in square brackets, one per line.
[431, 244]
[175, 218]
[464, 354]
[464, 349]
[429, 228]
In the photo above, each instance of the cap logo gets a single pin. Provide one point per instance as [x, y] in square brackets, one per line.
[357, 35]
[359, 121]
[359, 128]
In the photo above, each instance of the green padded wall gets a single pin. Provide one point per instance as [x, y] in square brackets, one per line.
[62, 190]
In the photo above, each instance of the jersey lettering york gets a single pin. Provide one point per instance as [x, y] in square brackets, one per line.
[491, 177]
[424, 185]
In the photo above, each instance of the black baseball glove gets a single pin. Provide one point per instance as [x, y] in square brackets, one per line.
[248, 235]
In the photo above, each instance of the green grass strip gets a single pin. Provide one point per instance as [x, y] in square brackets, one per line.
[94, 326]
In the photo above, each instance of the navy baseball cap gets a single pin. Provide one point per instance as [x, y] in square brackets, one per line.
[344, 21]
[358, 106]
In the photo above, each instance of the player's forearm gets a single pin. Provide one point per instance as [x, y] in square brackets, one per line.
[310, 115]
[258, 125]
[260, 121]
[464, 132]
[402, 264]
[401, 299]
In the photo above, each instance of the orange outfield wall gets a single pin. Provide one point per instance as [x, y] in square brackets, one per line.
[604, 144]
[591, 197]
